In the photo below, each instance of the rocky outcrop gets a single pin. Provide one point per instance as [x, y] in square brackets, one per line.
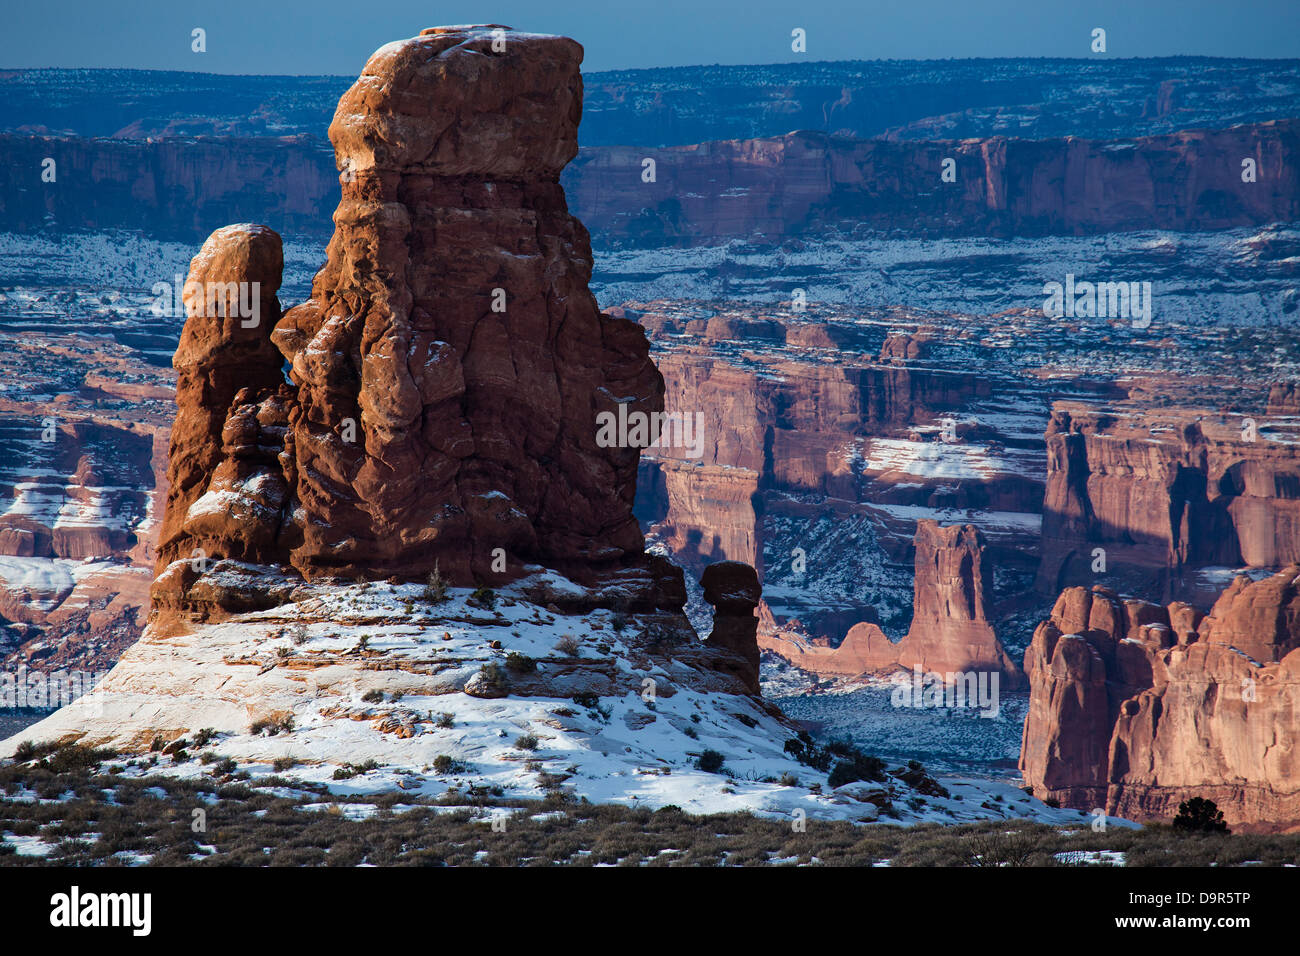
[449, 373]
[1135, 707]
[1165, 490]
[733, 590]
[1283, 399]
[950, 631]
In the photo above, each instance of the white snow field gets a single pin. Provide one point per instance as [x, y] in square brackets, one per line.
[347, 674]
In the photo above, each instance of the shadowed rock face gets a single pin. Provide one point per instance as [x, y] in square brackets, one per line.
[449, 369]
[1200, 494]
[1135, 707]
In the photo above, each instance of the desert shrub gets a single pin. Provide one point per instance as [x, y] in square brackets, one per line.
[446, 721]
[857, 766]
[916, 778]
[995, 848]
[1199, 815]
[494, 676]
[75, 758]
[484, 598]
[711, 761]
[445, 764]
[521, 663]
[375, 696]
[273, 725]
[526, 742]
[348, 770]
[280, 764]
[568, 645]
[29, 751]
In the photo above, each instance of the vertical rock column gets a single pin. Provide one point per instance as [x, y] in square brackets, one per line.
[451, 361]
[225, 491]
[733, 590]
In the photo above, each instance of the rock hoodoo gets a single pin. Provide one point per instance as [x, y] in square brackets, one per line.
[733, 590]
[1135, 707]
[445, 377]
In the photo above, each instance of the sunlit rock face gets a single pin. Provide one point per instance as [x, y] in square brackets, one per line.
[1135, 707]
[436, 401]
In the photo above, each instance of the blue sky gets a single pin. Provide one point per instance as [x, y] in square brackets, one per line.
[328, 36]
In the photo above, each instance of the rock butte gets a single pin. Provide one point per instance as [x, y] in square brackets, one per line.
[1135, 707]
[446, 373]
[474, 431]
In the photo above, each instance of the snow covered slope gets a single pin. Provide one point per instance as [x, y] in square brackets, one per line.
[370, 687]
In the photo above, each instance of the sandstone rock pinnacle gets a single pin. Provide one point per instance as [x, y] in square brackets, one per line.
[445, 377]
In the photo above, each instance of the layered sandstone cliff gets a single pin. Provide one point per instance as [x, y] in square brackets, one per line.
[805, 181]
[950, 631]
[1165, 490]
[783, 186]
[1135, 707]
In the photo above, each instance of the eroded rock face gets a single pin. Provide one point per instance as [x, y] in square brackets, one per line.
[227, 494]
[1135, 707]
[1164, 497]
[453, 328]
[447, 375]
[950, 632]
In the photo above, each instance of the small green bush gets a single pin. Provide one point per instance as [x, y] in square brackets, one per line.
[711, 761]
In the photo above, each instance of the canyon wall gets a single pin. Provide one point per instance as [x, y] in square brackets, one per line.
[1135, 707]
[1166, 491]
[170, 188]
[798, 184]
[807, 182]
[84, 433]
